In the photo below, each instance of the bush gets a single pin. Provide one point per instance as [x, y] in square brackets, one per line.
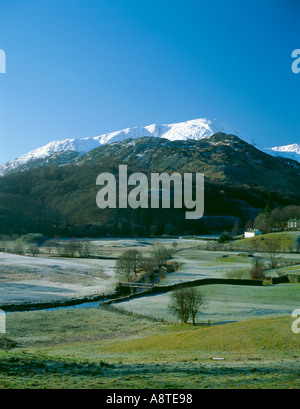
[238, 274]
[6, 343]
[224, 238]
[33, 238]
[257, 270]
[33, 249]
[18, 247]
[294, 279]
[70, 248]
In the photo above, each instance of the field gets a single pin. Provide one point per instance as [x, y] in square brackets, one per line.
[45, 279]
[96, 348]
[287, 240]
[103, 348]
[138, 343]
[36, 279]
[225, 303]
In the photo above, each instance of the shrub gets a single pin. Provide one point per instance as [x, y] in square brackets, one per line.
[224, 238]
[257, 270]
[33, 249]
[238, 274]
[33, 238]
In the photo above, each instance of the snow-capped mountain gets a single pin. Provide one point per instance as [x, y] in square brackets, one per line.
[71, 148]
[196, 129]
[63, 151]
[287, 151]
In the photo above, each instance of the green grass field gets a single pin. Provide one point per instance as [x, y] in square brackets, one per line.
[225, 303]
[103, 348]
[287, 240]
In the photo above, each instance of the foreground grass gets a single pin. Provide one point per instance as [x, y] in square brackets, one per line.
[36, 372]
[103, 348]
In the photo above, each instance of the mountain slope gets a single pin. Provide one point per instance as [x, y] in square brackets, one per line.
[59, 200]
[61, 152]
[222, 158]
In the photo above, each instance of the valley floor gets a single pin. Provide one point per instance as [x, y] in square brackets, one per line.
[103, 348]
[137, 344]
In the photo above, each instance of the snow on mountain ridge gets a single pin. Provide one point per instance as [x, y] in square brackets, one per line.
[288, 148]
[195, 129]
[287, 151]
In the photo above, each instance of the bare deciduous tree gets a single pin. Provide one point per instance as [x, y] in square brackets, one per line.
[18, 247]
[179, 305]
[128, 264]
[186, 303]
[86, 247]
[4, 239]
[273, 246]
[196, 301]
[33, 249]
[148, 265]
[257, 270]
[70, 248]
[160, 254]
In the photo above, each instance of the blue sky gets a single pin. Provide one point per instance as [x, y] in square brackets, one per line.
[82, 68]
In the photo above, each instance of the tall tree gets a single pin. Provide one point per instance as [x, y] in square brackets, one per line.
[128, 264]
[186, 303]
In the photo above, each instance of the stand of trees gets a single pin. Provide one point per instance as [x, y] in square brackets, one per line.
[268, 219]
[35, 243]
[132, 262]
[60, 201]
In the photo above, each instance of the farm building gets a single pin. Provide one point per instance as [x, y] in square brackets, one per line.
[294, 224]
[252, 233]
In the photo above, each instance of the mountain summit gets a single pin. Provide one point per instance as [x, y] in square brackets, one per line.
[196, 129]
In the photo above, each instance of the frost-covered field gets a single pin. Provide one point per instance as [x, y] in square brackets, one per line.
[44, 279]
[225, 303]
[114, 247]
[38, 279]
[199, 264]
[32, 279]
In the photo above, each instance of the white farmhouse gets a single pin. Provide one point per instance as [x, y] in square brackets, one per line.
[294, 224]
[252, 233]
